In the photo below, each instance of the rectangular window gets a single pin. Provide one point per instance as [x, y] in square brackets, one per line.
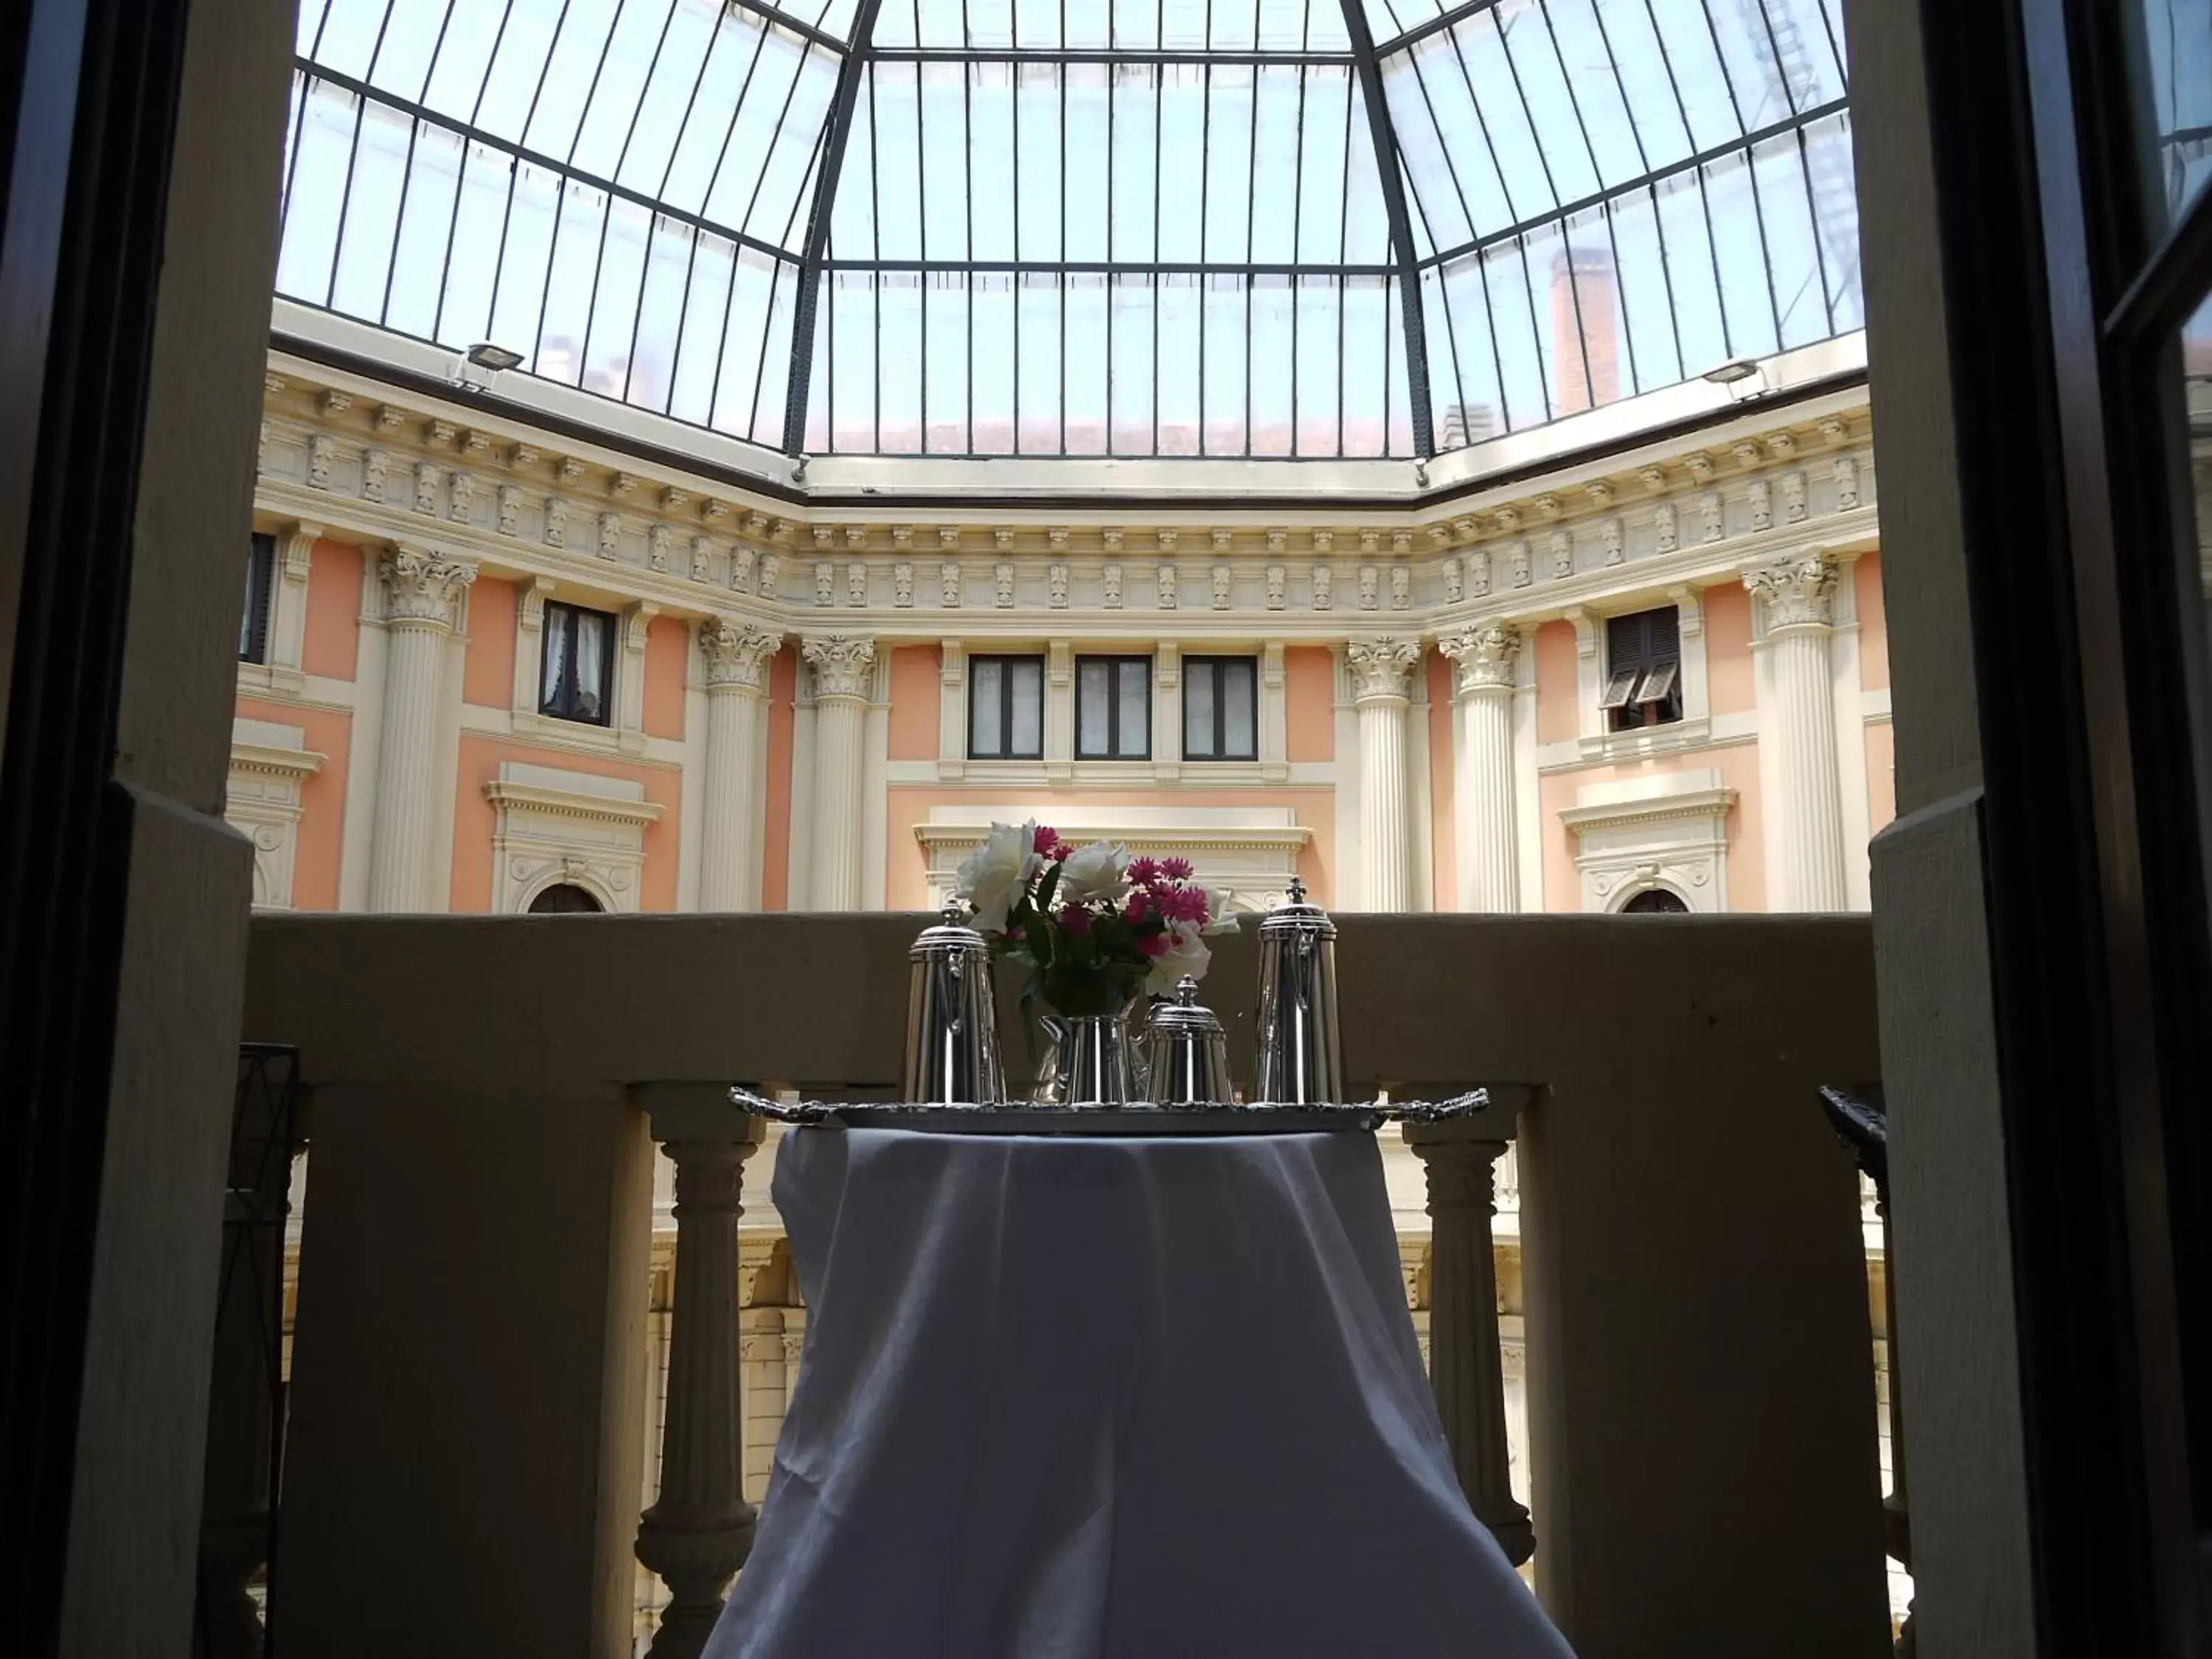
[1005, 708]
[577, 683]
[1113, 708]
[1220, 708]
[260, 585]
[1642, 669]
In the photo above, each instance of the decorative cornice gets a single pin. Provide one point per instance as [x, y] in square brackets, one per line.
[1707, 804]
[844, 666]
[737, 656]
[275, 762]
[1487, 657]
[571, 804]
[1382, 668]
[423, 588]
[1799, 593]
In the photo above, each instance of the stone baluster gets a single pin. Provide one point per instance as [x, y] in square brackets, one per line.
[735, 660]
[244, 1434]
[1797, 597]
[844, 674]
[700, 1529]
[1466, 1370]
[422, 594]
[1382, 681]
[1489, 859]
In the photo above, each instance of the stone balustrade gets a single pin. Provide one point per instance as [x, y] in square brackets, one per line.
[469, 1407]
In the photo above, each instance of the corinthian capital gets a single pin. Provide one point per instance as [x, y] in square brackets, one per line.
[844, 664]
[424, 587]
[1381, 668]
[1487, 657]
[1799, 593]
[737, 656]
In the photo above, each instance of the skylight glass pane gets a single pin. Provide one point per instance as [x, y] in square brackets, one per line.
[638, 166]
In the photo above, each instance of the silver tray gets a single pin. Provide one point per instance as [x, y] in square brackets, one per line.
[1146, 1117]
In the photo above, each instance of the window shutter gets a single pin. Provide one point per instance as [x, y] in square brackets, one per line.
[260, 585]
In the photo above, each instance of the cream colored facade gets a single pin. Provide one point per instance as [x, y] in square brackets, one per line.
[786, 719]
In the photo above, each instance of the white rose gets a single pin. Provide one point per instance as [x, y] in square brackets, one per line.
[1186, 953]
[998, 873]
[1219, 917]
[1095, 872]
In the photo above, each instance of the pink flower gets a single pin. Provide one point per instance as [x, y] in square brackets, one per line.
[1144, 871]
[1047, 839]
[1155, 944]
[1075, 918]
[1178, 869]
[1141, 904]
[1183, 904]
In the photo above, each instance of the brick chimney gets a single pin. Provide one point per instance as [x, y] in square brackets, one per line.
[1585, 330]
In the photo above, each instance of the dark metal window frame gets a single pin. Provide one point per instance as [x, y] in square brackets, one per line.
[254, 625]
[1006, 750]
[1217, 668]
[1112, 749]
[563, 618]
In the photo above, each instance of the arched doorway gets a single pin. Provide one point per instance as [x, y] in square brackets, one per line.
[565, 898]
[1655, 901]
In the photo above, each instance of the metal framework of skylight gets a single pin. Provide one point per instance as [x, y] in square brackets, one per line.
[1082, 227]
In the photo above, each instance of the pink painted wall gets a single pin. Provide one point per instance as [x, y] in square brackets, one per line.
[474, 819]
[667, 660]
[906, 883]
[1738, 767]
[776, 838]
[916, 689]
[331, 646]
[488, 671]
[1555, 682]
[1729, 680]
[1443, 859]
[1874, 624]
[1309, 702]
[1881, 775]
[329, 733]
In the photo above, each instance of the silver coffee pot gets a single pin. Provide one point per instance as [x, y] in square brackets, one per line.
[1186, 1051]
[1301, 1052]
[951, 1019]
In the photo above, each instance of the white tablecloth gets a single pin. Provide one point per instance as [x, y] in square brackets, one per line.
[1110, 1399]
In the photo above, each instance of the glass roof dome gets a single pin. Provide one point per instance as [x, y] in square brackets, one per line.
[1297, 228]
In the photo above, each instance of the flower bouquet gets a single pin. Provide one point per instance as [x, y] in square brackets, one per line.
[1096, 929]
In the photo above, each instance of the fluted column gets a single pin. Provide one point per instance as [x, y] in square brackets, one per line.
[423, 593]
[1466, 1368]
[1489, 861]
[1799, 597]
[1382, 679]
[736, 660]
[844, 670]
[700, 1529]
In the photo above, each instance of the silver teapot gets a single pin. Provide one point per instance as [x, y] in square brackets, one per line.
[951, 1019]
[1301, 1059]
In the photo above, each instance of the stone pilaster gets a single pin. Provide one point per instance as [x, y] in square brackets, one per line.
[735, 660]
[1382, 679]
[844, 672]
[423, 593]
[1487, 660]
[1797, 598]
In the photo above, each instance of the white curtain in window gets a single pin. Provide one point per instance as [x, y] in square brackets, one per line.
[987, 729]
[558, 650]
[1133, 733]
[592, 643]
[1028, 733]
[1240, 719]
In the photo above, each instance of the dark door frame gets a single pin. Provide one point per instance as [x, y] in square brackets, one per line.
[88, 98]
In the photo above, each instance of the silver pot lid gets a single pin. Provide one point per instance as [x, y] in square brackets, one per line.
[1296, 915]
[1185, 1016]
[948, 936]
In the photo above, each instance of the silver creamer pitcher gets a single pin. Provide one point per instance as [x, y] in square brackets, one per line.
[951, 1020]
[1300, 1053]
